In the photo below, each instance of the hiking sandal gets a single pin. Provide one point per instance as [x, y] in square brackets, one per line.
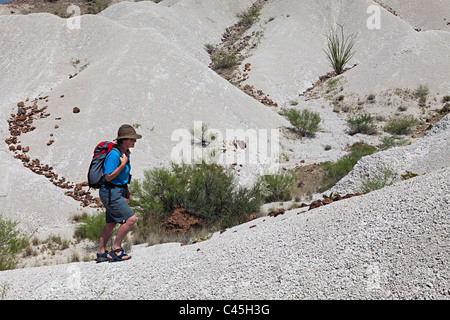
[115, 257]
[102, 257]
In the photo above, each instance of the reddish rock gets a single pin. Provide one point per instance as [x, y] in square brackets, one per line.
[276, 212]
[180, 221]
[315, 204]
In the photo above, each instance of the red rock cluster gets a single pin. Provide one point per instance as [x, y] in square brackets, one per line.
[180, 221]
[315, 204]
[21, 123]
[319, 203]
[85, 197]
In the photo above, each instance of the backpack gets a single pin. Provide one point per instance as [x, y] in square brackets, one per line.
[95, 174]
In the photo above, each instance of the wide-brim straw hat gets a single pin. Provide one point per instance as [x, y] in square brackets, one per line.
[127, 132]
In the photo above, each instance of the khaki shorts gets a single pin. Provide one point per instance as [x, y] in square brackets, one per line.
[117, 209]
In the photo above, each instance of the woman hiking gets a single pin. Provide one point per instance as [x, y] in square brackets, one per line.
[113, 194]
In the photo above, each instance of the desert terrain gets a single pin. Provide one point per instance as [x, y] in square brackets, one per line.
[79, 77]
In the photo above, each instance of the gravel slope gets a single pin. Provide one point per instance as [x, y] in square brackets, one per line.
[389, 244]
[422, 156]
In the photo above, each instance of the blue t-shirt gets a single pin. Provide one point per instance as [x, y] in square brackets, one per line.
[112, 161]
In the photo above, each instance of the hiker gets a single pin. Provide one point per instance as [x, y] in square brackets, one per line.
[113, 194]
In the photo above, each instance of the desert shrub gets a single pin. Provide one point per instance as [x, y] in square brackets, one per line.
[208, 191]
[203, 134]
[445, 109]
[209, 48]
[305, 122]
[401, 125]
[445, 99]
[362, 124]
[335, 171]
[277, 187]
[388, 142]
[339, 49]
[91, 226]
[223, 60]
[421, 91]
[383, 178]
[247, 18]
[96, 6]
[12, 242]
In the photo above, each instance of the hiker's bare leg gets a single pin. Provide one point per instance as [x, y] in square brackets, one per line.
[104, 236]
[123, 231]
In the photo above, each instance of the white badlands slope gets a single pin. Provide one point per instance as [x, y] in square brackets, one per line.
[145, 64]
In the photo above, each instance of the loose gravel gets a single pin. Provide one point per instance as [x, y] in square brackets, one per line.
[389, 244]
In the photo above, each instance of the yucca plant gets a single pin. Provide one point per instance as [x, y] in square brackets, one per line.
[339, 48]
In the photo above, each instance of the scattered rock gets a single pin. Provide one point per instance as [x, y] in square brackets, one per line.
[76, 110]
[276, 212]
[319, 203]
[20, 124]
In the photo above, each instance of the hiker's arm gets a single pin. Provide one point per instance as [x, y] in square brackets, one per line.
[115, 173]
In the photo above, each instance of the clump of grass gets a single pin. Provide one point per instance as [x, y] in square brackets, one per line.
[12, 242]
[421, 91]
[277, 187]
[91, 226]
[445, 99]
[335, 171]
[401, 125]
[209, 48]
[384, 177]
[203, 134]
[306, 123]
[339, 49]
[247, 18]
[362, 124]
[224, 60]
[388, 142]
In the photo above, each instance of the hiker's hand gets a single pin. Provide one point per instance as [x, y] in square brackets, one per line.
[123, 160]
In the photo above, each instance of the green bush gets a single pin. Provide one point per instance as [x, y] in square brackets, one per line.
[223, 60]
[335, 171]
[421, 91]
[339, 49]
[12, 242]
[383, 178]
[445, 99]
[247, 18]
[401, 125]
[91, 226]
[277, 187]
[207, 191]
[362, 124]
[305, 122]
